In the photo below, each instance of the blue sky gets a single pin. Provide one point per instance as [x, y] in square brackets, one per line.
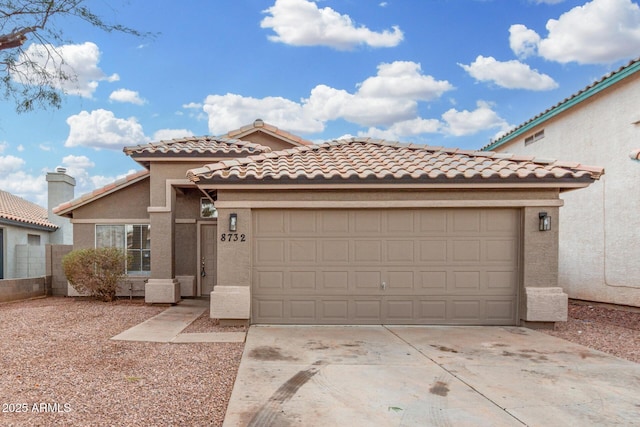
[452, 73]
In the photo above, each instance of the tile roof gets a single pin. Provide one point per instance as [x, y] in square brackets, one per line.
[202, 146]
[607, 80]
[366, 160]
[259, 124]
[67, 207]
[18, 210]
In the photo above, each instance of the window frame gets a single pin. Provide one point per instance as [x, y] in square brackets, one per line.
[122, 232]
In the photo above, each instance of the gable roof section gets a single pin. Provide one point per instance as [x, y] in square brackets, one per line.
[260, 126]
[193, 148]
[18, 211]
[363, 160]
[66, 208]
[570, 102]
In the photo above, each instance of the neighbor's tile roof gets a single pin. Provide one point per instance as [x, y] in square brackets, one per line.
[366, 160]
[69, 206]
[17, 209]
[196, 147]
[604, 82]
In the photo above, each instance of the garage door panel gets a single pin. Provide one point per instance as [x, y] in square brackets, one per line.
[465, 251]
[302, 251]
[433, 222]
[269, 280]
[432, 251]
[422, 266]
[367, 251]
[334, 281]
[270, 252]
[367, 222]
[400, 251]
[302, 280]
[334, 222]
[332, 251]
[302, 223]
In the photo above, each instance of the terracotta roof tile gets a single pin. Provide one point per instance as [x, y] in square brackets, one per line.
[67, 207]
[17, 209]
[204, 145]
[367, 160]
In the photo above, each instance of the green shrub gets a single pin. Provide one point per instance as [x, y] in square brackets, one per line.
[95, 271]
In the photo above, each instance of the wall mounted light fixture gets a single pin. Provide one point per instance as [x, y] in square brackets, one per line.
[545, 221]
[233, 222]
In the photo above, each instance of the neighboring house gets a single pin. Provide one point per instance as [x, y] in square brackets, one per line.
[600, 226]
[25, 229]
[358, 231]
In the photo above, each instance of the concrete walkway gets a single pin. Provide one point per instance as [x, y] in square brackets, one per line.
[168, 325]
[428, 376]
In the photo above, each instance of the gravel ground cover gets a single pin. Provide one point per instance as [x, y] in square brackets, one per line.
[611, 329]
[59, 368]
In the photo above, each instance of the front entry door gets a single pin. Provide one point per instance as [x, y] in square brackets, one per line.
[208, 255]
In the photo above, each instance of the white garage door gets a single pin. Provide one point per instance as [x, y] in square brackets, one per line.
[393, 266]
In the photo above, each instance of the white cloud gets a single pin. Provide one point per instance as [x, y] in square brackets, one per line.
[45, 147]
[126, 95]
[460, 123]
[20, 148]
[79, 167]
[599, 32]
[523, 41]
[389, 97]
[231, 111]
[302, 23]
[167, 134]
[404, 129]
[78, 61]
[101, 129]
[10, 164]
[3, 146]
[509, 74]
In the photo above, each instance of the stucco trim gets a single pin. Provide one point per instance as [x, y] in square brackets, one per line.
[169, 184]
[382, 204]
[111, 221]
[562, 186]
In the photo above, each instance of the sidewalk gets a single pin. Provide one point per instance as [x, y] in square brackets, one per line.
[168, 325]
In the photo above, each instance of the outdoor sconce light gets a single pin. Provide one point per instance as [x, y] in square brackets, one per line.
[233, 222]
[545, 221]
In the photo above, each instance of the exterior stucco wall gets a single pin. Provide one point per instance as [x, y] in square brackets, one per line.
[539, 250]
[599, 228]
[129, 203]
[20, 259]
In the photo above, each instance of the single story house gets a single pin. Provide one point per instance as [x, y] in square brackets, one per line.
[358, 231]
[600, 226]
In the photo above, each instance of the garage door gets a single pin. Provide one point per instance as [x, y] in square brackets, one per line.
[394, 266]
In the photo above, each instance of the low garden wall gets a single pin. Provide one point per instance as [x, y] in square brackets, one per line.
[20, 289]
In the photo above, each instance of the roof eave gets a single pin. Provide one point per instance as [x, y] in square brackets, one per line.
[27, 224]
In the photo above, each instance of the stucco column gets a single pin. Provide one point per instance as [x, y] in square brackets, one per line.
[231, 297]
[542, 299]
[162, 286]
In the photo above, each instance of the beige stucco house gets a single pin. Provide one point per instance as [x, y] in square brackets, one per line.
[600, 226]
[278, 230]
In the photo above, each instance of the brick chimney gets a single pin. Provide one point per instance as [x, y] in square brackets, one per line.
[60, 189]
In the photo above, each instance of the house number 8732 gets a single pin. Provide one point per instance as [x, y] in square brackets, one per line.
[233, 237]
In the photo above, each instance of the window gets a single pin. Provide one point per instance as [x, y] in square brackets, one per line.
[136, 239]
[33, 239]
[533, 138]
[207, 210]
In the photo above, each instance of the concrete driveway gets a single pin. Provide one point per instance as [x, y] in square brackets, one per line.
[428, 376]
